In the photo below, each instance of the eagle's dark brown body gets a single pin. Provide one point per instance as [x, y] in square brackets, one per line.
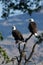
[17, 35]
[32, 27]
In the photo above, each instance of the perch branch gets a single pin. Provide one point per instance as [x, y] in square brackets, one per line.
[40, 39]
[28, 38]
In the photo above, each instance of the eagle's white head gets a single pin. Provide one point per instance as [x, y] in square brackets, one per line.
[31, 20]
[14, 28]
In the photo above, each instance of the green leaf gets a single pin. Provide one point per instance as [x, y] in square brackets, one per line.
[1, 37]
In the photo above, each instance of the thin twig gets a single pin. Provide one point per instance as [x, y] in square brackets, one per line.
[28, 37]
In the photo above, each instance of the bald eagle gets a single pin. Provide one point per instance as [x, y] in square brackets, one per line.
[17, 35]
[32, 28]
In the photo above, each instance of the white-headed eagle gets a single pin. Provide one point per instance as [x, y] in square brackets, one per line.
[17, 35]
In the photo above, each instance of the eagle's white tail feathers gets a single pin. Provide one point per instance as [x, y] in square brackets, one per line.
[36, 34]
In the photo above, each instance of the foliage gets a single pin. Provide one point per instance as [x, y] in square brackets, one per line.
[23, 5]
[1, 37]
[4, 55]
